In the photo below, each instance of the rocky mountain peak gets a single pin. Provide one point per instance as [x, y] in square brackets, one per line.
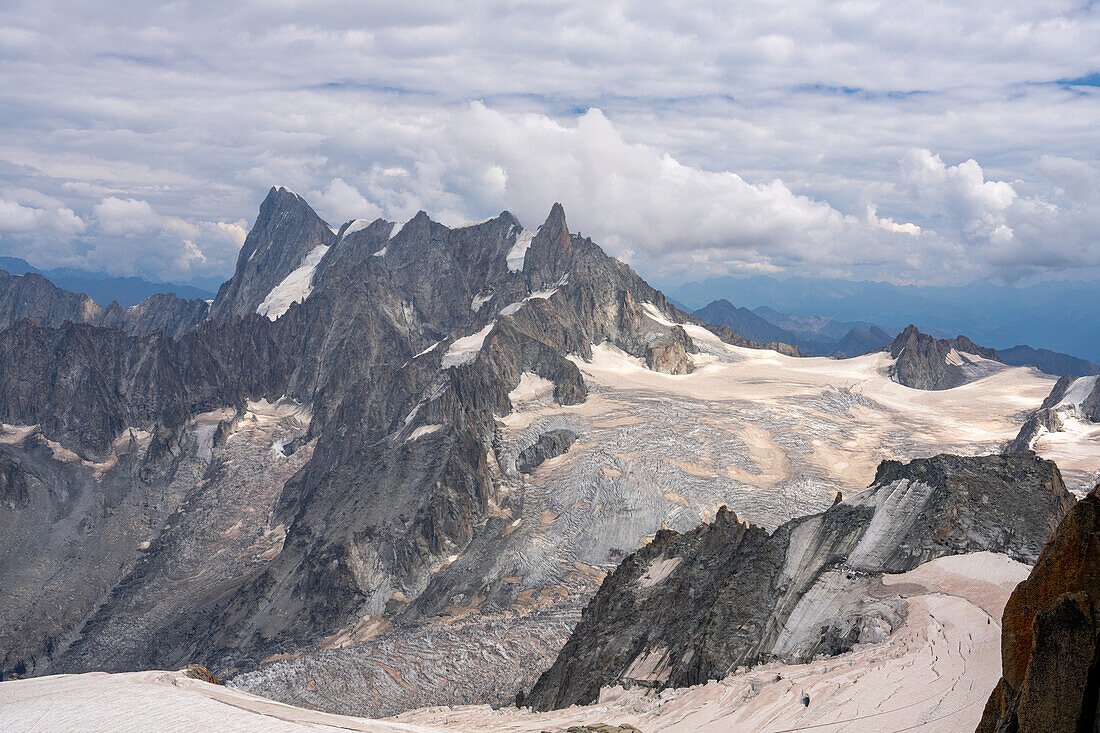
[550, 255]
[1050, 641]
[286, 231]
[926, 362]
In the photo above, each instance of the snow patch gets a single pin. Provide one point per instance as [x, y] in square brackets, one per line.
[518, 253]
[466, 349]
[295, 287]
[655, 313]
[469, 224]
[380, 253]
[543, 294]
[480, 300]
[658, 571]
[421, 431]
[398, 227]
[531, 386]
[1076, 395]
[356, 226]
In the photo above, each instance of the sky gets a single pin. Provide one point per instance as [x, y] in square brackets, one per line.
[918, 142]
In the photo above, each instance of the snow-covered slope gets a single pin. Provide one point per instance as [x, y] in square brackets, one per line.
[933, 674]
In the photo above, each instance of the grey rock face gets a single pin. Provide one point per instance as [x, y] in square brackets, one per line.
[405, 351]
[693, 607]
[925, 362]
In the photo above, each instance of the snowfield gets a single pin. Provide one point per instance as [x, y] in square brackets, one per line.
[933, 674]
[295, 287]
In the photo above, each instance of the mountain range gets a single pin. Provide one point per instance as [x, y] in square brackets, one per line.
[1000, 316]
[105, 289]
[391, 465]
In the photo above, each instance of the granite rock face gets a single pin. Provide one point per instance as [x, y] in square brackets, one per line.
[689, 608]
[926, 362]
[403, 343]
[285, 232]
[1050, 640]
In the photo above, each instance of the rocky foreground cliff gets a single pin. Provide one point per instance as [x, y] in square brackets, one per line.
[1050, 644]
[694, 607]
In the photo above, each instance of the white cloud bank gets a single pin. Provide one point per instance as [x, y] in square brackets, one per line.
[923, 143]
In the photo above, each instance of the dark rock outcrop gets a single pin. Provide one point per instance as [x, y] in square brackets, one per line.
[926, 362]
[1050, 640]
[549, 445]
[689, 608]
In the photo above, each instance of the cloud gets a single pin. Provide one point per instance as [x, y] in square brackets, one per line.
[27, 212]
[711, 138]
[960, 195]
[341, 202]
[126, 217]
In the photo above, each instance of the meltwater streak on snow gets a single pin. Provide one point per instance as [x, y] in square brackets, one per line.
[466, 349]
[295, 287]
[518, 253]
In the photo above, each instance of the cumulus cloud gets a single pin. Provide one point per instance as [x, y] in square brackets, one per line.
[27, 212]
[122, 217]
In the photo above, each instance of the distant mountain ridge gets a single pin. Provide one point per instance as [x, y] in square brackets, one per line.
[1000, 315]
[825, 336]
[812, 336]
[102, 288]
[1049, 361]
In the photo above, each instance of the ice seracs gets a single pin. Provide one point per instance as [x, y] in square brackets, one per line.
[295, 287]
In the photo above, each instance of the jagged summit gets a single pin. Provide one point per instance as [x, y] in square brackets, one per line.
[286, 231]
[926, 362]
[402, 343]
